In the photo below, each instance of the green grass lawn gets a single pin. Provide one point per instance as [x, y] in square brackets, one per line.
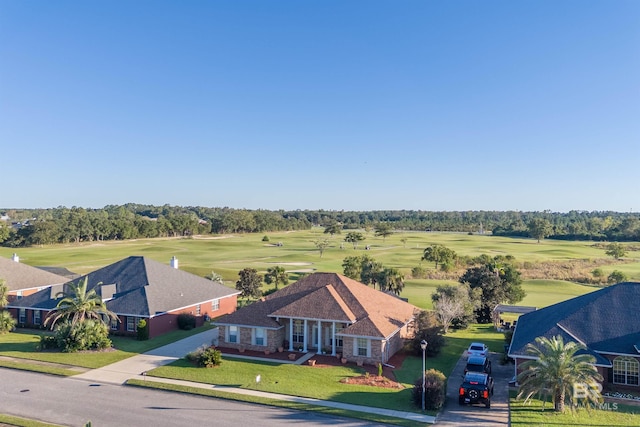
[531, 414]
[296, 380]
[23, 344]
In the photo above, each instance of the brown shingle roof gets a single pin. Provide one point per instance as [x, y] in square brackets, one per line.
[20, 276]
[329, 296]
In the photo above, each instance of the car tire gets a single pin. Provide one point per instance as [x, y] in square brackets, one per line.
[460, 402]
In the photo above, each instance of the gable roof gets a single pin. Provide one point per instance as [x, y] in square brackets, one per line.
[605, 321]
[330, 297]
[142, 287]
[19, 276]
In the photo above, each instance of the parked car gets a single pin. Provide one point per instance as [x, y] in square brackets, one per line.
[477, 349]
[476, 388]
[478, 364]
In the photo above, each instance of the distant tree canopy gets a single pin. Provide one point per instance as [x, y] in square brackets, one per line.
[27, 227]
[439, 254]
[539, 228]
[500, 282]
[616, 250]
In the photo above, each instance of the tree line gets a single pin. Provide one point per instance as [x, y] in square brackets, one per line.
[130, 221]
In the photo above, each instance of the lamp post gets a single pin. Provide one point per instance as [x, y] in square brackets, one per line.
[423, 346]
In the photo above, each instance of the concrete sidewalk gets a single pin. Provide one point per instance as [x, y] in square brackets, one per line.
[136, 367]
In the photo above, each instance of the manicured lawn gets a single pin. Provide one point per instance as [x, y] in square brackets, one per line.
[532, 415]
[374, 418]
[23, 345]
[297, 380]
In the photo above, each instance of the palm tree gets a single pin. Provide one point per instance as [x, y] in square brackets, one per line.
[276, 275]
[392, 280]
[556, 370]
[7, 322]
[4, 290]
[78, 304]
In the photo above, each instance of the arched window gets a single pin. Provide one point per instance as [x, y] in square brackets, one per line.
[625, 371]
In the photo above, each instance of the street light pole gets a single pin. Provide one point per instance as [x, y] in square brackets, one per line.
[423, 346]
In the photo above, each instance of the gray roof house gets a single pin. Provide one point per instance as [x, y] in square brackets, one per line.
[23, 279]
[140, 288]
[606, 322]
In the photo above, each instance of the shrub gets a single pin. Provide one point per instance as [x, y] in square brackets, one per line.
[265, 238]
[434, 390]
[194, 356]
[85, 335]
[7, 322]
[434, 338]
[418, 272]
[47, 342]
[379, 369]
[143, 330]
[616, 276]
[210, 357]
[186, 321]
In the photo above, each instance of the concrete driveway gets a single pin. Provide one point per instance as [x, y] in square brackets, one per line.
[477, 415]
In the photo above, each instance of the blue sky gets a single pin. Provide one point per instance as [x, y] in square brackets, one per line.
[354, 105]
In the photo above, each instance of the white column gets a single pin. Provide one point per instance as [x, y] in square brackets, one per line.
[305, 340]
[333, 338]
[319, 336]
[291, 334]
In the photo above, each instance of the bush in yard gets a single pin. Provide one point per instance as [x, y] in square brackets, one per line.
[47, 342]
[143, 330]
[434, 390]
[186, 321]
[7, 322]
[434, 338]
[194, 356]
[265, 239]
[210, 357]
[88, 334]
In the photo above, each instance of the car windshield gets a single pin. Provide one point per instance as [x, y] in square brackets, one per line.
[474, 378]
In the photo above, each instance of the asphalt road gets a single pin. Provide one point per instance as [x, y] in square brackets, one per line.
[73, 402]
[477, 415]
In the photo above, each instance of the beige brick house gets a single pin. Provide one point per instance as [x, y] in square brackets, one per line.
[325, 313]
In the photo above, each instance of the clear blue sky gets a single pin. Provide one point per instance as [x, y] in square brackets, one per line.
[354, 105]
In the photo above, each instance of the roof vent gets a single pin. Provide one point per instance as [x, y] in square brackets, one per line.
[174, 262]
[15, 258]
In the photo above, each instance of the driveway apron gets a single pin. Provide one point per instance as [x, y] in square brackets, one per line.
[120, 372]
[477, 415]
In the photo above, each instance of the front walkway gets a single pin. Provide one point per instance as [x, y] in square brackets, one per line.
[136, 367]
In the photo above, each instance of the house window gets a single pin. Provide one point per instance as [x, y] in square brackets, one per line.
[338, 339]
[198, 310]
[298, 331]
[363, 347]
[131, 324]
[260, 336]
[625, 371]
[114, 324]
[22, 316]
[215, 305]
[233, 334]
[36, 317]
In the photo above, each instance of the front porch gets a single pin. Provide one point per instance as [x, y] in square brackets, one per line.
[320, 336]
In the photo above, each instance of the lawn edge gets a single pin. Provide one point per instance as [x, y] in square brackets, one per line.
[273, 402]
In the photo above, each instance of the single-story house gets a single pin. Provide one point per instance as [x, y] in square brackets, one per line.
[606, 322]
[325, 313]
[139, 288]
[22, 279]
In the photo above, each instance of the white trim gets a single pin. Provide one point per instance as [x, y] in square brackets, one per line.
[617, 354]
[248, 326]
[570, 334]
